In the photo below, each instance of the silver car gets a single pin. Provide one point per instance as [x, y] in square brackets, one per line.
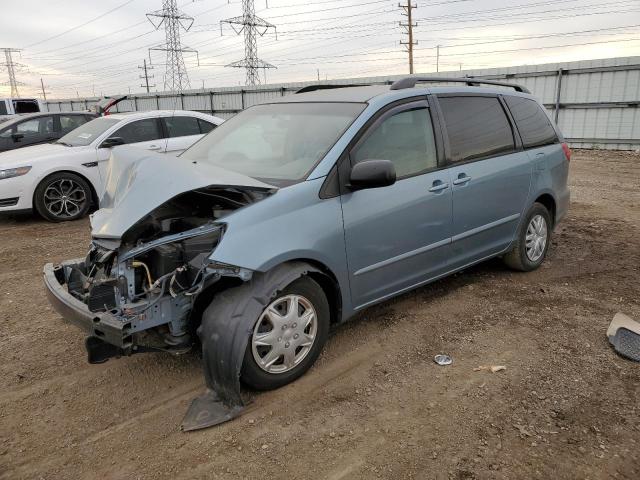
[296, 214]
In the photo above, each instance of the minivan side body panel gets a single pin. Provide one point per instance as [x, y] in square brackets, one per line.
[487, 217]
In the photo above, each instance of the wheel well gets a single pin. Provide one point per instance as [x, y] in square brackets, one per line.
[329, 284]
[324, 277]
[550, 204]
[94, 194]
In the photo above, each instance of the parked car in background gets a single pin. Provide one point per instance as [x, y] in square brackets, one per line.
[62, 180]
[35, 128]
[9, 107]
[299, 213]
[12, 106]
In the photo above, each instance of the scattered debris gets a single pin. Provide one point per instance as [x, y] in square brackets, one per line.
[624, 336]
[443, 360]
[490, 368]
[523, 430]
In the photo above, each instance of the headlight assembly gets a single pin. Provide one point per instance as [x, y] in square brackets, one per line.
[14, 172]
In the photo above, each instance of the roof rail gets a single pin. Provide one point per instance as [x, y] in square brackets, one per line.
[329, 86]
[410, 82]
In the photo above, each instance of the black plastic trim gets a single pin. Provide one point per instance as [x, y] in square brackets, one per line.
[410, 82]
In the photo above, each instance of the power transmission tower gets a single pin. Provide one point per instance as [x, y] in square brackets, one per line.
[408, 9]
[146, 75]
[10, 65]
[252, 26]
[175, 78]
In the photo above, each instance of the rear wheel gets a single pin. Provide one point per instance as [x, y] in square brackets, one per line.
[62, 197]
[287, 337]
[532, 242]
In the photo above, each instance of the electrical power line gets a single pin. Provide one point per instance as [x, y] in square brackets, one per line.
[81, 25]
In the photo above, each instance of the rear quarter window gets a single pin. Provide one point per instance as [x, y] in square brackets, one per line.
[477, 127]
[533, 124]
[205, 127]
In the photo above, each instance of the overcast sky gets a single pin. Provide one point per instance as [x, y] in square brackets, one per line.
[342, 38]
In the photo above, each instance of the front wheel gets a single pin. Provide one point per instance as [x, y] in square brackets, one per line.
[62, 197]
[531, 245]
[287, 337]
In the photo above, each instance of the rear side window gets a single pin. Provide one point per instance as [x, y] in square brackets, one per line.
[3, 107]
[533, 124]
[71, 122]
[182, 126]
[405, 138]
[139, 131]
[26, 106]
[36, 126]
[205, 127]
[477, 127]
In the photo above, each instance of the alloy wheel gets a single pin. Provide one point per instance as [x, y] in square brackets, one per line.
[64, 198]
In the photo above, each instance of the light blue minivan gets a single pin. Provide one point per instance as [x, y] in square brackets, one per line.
[298, 213]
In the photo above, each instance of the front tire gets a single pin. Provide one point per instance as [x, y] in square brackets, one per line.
[287, 337]
[532, 243]
[63, 197]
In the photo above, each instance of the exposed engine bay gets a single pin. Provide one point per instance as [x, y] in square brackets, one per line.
[143, 288]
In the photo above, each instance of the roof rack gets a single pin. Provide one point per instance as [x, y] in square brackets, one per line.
[410, 82]
[329, 86]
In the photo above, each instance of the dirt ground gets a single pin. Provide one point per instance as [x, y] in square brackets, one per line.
[375, 405]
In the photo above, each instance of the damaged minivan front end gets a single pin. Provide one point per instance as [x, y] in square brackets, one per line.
[234, 247]
[150, 255]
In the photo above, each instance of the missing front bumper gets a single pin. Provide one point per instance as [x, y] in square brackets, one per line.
[105, 326]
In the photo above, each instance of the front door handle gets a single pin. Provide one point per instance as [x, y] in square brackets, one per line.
[438, 186]
[462, 179]
[154, 147]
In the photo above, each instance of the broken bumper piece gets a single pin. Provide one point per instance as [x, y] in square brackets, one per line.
[108, 335]
[624, 335]
[208, 410]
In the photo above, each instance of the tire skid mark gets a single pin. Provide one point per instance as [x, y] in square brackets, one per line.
[150, 410]
[163, 403]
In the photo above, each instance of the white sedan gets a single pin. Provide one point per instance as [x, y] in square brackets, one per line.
[62, 180]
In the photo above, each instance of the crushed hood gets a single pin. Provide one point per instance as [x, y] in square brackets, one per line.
[139, 181]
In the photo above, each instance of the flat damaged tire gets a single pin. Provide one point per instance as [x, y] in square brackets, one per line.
[287, 337]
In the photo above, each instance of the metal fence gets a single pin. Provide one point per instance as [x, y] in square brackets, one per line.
[595, 102]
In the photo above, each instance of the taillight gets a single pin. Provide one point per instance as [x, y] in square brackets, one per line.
[567, 151]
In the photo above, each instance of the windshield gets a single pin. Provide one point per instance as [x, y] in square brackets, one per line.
[276, 143]
[88, 132]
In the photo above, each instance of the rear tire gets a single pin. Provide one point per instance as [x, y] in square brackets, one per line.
[63, 197]
[532, 242]
[287, 334]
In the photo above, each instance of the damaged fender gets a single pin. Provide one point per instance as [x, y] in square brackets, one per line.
[226, 327]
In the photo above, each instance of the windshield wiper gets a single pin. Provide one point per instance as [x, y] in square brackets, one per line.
[64, 143]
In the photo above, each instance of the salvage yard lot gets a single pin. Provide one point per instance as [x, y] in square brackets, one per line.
[375, 405]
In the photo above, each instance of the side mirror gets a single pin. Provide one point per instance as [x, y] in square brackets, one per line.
[112, 142]
[17, 136]
[372, 174]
